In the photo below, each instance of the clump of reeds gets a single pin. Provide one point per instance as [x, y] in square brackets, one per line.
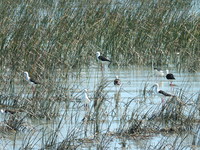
[15, 122]
[99, 95]
[39, 38]
[179, 114]
[50, 38]
[99, 99]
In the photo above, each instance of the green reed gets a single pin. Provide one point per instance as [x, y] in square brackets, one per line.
[46, 37]
[40, 35]
[179, 115]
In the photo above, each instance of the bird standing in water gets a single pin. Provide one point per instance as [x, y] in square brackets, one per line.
[85, 98]
[117, 81]
[102, 58]
[170, 77]
[30, 80]
[161, 93]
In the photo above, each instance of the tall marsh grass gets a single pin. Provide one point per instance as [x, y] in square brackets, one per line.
[39, 36]
[51, 38]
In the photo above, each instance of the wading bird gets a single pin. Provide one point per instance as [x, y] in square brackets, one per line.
[117, 81]
[30, 80]
[102, 59]
[170, 77]
[85, 98]
[161, 93]
[8, 111]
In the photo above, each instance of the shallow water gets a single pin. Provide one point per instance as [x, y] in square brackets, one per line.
[133, 81]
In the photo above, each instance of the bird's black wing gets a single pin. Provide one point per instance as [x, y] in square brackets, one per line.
[164, 93]
[10, 111]
[103, 58]
[170, 76]
[35, 82]
[117, 82]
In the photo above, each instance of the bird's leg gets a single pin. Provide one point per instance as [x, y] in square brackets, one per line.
[116, 88]
[163, 103]
[86, 107]
[33, 89]
[171, 84]
[101, 66]
[157, 78]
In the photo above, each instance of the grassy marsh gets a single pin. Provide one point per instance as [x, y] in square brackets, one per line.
[42, 36]
[53, 40]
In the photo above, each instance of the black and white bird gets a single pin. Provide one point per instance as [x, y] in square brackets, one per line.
[29, 79]
[8, 111]
[170, 77]
[101, 58]
[117, 81]
[161, 92]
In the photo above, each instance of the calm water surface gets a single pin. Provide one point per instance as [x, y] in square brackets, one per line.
[133, 79]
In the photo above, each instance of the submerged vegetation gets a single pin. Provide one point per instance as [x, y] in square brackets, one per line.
[51, 39]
